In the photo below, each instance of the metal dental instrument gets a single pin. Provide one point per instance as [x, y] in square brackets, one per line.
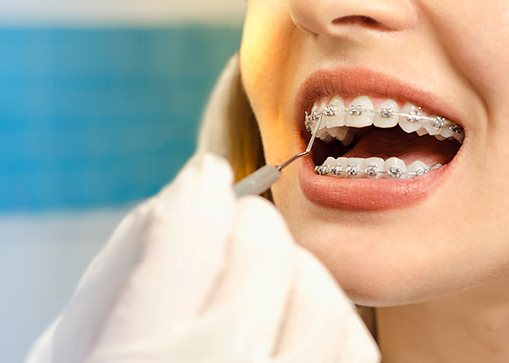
[262, 179]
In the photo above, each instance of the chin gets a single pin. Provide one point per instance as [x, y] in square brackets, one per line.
[377, 258]
[376, 277]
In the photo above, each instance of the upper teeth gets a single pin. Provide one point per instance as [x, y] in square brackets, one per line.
[361, 112]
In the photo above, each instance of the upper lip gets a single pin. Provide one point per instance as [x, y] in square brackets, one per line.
[351, 82]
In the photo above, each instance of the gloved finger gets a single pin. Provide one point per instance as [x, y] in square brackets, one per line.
[243, 319]
[183, 257]
[321, 324]
[42, 350]
[73, 334]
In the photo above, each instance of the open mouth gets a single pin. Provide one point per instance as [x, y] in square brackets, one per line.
[380, 139]
[387, 150]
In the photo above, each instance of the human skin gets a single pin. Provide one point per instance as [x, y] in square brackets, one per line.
[441, 263]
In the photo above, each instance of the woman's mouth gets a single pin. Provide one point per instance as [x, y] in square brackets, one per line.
[375, 153]
[384, 140]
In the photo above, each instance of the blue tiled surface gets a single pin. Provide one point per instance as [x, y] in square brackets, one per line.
[101, 117]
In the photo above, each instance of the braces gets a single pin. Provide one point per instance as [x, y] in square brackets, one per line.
[371, 171]
[437, 122]
[374, 171]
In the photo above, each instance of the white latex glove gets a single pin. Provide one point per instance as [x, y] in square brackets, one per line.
[196, 275]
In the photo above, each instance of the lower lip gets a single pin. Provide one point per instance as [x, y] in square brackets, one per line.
[365, 194]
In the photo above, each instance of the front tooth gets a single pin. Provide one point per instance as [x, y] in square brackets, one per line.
[360, 112]
[385, 115]
[333, 167]
[354, 167]
[319, 110]
[312, 118]
[418, 168]
[342, 162]
[411, 120]
[338, 107]
[330, 161]
[435, 126]
[372, 166]
[395, 168]
[447, 131]
[323, 133]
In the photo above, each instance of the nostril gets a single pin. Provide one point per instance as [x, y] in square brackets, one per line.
[364, 21]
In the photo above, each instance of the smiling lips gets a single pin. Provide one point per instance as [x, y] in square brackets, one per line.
[382, 153]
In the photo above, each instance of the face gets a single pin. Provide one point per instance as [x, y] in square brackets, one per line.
[388, 240]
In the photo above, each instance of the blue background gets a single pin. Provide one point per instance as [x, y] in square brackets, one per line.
[92, 120]
[101, 117]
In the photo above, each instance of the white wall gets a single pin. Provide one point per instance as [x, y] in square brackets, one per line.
[119, 12]
[41, 260]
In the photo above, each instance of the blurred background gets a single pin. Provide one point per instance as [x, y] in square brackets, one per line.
[100, 102]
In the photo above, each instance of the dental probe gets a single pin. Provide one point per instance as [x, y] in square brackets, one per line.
[262, 179]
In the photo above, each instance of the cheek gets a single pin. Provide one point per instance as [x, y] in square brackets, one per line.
[477, 38]
[479, 44]
[267, 38]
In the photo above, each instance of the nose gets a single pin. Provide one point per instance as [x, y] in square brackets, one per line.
[334, 17]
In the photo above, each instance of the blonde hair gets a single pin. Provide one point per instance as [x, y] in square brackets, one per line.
[229, 127]
[245, 150]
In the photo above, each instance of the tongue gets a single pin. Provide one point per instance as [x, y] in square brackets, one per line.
[386, 143]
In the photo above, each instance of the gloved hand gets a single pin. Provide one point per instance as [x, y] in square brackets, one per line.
[196, 275]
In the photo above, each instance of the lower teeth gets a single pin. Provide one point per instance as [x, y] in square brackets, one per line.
[373, 168]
